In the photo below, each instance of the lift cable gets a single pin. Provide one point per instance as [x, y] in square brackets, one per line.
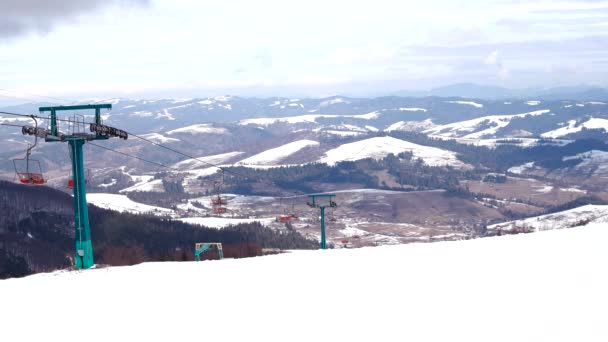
[133, 156]
[222, 168]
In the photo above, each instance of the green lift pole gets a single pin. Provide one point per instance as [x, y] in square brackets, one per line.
[314, 203]
[76, 139]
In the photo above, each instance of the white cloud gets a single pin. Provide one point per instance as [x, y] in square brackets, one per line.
[492, 58]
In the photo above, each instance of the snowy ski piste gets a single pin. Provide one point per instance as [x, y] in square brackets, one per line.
[545, 286]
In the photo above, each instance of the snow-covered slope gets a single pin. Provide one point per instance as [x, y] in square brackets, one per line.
[122, 203]
[159, 138]
[573, 127]
[546, 286]
[379, 147]
[199, 129]
[275, 155]
[469, 103]
[414, 126]
[204, 162]
[485, 126]
[564, 219]
[308, 118]
[145, 183]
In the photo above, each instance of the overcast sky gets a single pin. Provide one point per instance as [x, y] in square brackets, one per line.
[172, 48]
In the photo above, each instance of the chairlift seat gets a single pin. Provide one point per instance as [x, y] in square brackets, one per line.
[31, 178]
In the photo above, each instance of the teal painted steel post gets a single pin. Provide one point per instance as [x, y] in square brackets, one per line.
[53, 123]
[323, 244]
[84, 248]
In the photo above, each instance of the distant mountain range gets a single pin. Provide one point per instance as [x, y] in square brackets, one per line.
[489, 92]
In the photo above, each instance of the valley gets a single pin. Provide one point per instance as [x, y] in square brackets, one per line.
[403, 169]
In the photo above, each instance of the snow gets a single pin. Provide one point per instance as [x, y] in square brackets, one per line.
[596, 103]
[158, 138]
[469, 129]
[533, 103]
[371, 128]
[333, 101]
[206, 102]
[342, 133]
[112, 182]
[379, 147]
[181, 100]
[563, 219]
[222, 222]
[122, 203]
[469, 103]
[405, 109]
[223, 98]
[413, 126]
[545, 189]
[204, 161]
[573, 190]
[199, 129]
[545, 286]
[165, 114]
[145, 183]
[572, 127]
[368, 116]
[275, 155]
[142, 114]
[590, 158]
[307, 118]
[521, 168]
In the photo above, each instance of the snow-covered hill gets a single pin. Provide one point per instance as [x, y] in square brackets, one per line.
[308, 118]
[483, 127]
[199, 129]
[205, 161]
[545, 286]
[413, 126]
[572, 127]
[275, 155]
[380, 147]
[564, 219]
[122, 203]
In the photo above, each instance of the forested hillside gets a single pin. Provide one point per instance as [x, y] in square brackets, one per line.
[37, 234]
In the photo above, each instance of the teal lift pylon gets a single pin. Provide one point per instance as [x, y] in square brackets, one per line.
[315, 204]
[202, 247]
[84, 247]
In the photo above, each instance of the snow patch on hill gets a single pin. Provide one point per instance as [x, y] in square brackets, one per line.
[529, 287]
[563, 219]
[407, 109]
[122, 203]
[476, 128]
[307, 118]
[205, 161]
[333, 101]
[411, 126]
[594, 161]
[199, 129]
[573, 127]
[380, 147]
[159, 138]
[469, 103]
[275, 155]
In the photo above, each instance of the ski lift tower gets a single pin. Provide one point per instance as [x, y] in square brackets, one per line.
[76, 138]
[315, 203]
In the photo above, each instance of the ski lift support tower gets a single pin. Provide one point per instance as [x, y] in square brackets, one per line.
[315, 203]
[84, 248]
